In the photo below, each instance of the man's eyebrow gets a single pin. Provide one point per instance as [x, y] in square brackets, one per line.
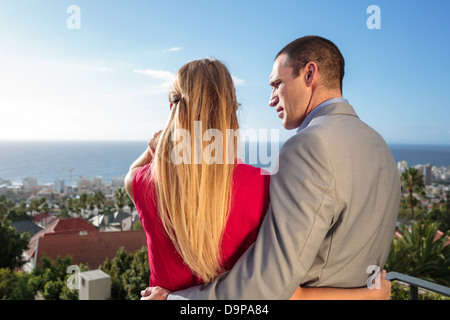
[272, 82]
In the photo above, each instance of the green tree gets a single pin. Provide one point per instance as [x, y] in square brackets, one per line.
[19, 213]
[50, 278]
[70, 203]
[8, 280]
[91, 203]
[120, 198]
[3, 210]
[440, 215]
[21, 290]
[12, 244]
[83, 202]
[412, 183]
[130, 273]
[5, 206]
[14, 285]
[419, 254]
[34, 206]
[100, 200]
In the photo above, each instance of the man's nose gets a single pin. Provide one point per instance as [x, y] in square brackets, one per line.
[273, 100]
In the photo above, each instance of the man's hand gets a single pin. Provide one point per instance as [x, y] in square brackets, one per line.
[154, 293]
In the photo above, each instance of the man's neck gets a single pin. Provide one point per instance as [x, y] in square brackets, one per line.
[321, 97]
[321, 104]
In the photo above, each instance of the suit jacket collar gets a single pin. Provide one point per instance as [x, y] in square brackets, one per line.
[332, 106]
[335, 109]
[338, 108]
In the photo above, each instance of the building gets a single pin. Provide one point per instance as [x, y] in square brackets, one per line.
[402, 165]
[30, 184]
[57, 227]
[91, 249]
[118, 182]
[98, 182]
[59, 185]
[84, 183]
[77, 238]
[427, 174]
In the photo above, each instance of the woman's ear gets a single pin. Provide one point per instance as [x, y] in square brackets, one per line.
[171, 105]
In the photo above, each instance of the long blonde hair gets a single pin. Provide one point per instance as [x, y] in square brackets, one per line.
[194, 196]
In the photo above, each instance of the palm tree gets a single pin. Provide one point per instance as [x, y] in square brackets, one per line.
[83, 202]
[91, 203]
[131, 205]
[70, 203]
[120, 196]
[420, 253]
[99, 202]
[412, 182]
[77, 206]
[34, 206]
[3, 210]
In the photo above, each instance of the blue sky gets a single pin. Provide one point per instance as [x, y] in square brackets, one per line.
[109, 79]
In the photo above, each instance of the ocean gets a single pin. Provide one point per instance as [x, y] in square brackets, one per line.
[48, 160]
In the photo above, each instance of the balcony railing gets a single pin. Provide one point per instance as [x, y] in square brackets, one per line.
[416, 283]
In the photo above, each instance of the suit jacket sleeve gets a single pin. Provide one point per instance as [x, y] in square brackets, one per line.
[302, 201]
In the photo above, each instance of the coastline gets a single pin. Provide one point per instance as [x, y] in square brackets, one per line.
[51, 160]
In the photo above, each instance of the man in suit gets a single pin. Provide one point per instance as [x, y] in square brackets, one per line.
[334, 199]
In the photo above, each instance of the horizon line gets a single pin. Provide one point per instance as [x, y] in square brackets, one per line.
[31, 140]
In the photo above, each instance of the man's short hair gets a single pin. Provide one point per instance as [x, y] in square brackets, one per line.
[323, 52]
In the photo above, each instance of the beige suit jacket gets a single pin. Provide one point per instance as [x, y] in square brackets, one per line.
[334, 206]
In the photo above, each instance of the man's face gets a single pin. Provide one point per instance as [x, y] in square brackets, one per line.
[290, 95]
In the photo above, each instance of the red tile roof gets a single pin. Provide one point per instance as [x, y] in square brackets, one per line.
[71, 226]
[60, 227]
[91, 249]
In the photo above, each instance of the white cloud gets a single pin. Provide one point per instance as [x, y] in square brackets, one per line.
[157, 74]
[238, 82]
[166, 77]
[101, 68]
[174, 49]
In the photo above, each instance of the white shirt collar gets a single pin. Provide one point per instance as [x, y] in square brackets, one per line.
[311, 115]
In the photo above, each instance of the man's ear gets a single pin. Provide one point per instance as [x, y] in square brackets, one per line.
[311, 73]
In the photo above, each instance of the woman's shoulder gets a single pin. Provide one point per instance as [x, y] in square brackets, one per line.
[246, 172]
[141, 175]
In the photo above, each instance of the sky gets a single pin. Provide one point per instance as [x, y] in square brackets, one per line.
[102, 70]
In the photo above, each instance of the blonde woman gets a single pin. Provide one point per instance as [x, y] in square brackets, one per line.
[199, 206]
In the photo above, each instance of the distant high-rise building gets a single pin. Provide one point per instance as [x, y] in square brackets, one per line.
[427, 174]
[98, 182]
[402, 165]
[29, 184]
[59, 185]
[118, 182]
[83, 183]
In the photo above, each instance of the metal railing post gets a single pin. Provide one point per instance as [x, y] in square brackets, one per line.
[416, 283]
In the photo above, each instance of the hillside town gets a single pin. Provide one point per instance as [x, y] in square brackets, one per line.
[90, 222]
[435, 179]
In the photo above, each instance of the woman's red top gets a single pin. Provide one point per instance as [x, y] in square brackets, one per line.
[249, 205]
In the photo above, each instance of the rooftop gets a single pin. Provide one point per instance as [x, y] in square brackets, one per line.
[66, 226]
[91, 249]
